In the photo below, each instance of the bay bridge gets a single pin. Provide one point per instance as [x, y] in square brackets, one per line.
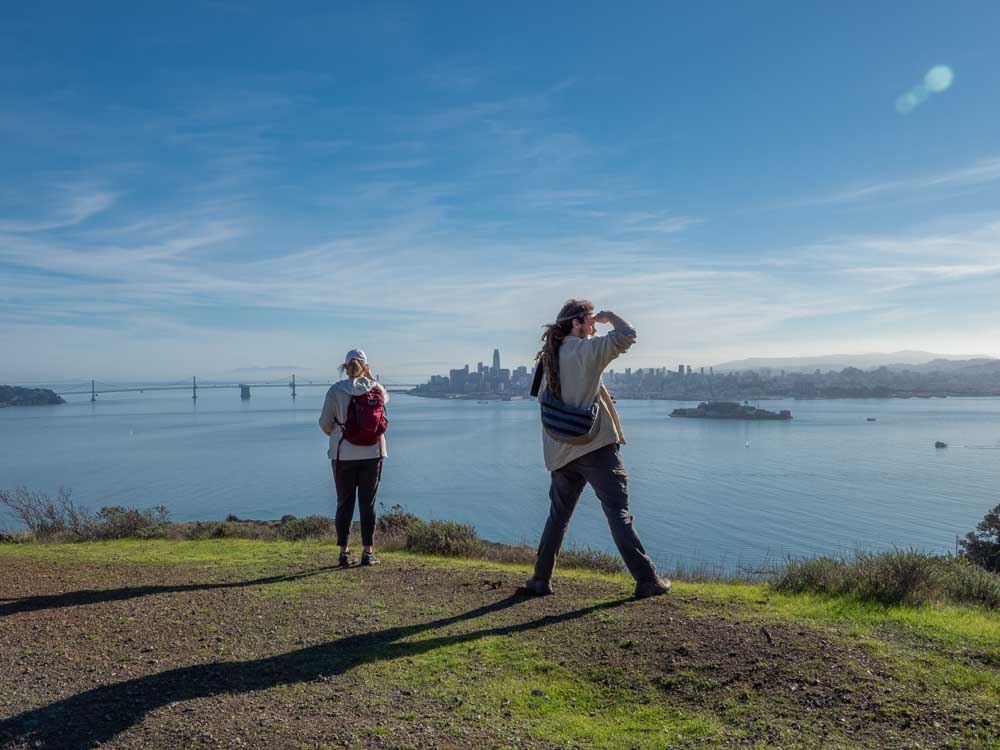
[97, 388]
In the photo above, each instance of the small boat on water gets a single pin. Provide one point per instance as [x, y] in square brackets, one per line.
[939, 444]
[871, 419]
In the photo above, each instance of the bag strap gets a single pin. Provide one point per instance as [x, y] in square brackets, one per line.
[536, 382]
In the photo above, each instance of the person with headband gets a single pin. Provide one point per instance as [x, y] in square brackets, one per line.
[581, 435]
[354, 417]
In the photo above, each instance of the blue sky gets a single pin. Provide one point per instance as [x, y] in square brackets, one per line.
[193, 190]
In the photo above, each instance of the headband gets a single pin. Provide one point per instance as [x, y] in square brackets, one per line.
[578, 314]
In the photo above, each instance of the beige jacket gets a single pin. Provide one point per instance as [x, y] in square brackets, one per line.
[581, 365]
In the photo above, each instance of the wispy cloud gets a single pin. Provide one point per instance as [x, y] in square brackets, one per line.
[77, 204]
[657, 222]
[982, 172]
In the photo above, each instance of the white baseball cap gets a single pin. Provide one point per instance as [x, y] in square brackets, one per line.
[356, 354]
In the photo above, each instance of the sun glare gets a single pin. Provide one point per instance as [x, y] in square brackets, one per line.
[936, 81]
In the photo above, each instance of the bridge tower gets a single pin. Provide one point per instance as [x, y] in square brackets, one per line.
[194, 387]
[93, 392]
[293, 385]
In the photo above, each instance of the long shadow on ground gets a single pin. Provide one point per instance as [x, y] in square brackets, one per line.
[97, 715]
[98, 596]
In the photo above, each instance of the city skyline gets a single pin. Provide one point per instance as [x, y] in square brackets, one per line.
[736, 183]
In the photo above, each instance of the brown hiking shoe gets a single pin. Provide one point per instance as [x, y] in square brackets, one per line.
[656, 587]
[538, 587]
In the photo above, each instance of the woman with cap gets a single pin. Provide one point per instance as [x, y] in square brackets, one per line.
[353, 417]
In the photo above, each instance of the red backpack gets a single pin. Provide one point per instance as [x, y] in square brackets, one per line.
[366, 421]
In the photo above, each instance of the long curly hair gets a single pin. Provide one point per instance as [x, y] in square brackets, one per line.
[574, 309]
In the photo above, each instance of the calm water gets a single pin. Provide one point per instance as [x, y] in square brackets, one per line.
[725, 493]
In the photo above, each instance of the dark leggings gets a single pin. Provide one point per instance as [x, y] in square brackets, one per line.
[356, 479]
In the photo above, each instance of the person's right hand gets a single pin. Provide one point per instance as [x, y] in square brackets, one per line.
[604, 316]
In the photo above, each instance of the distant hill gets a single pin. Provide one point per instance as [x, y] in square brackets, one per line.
[12, 395]
[825, 362]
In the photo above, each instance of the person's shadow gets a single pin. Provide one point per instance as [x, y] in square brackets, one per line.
[96, 716]
[98, 596]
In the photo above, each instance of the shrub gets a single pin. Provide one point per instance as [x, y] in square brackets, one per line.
[221, 530]
[968, 583]
[311, 527]
[820, 574]
[396, 520]
[47, 518]
[119, 522]
[982, 546]
[588, 559]
[444, 538]
[895, 577]
[899, 576]
[393, 526]
[64, 520]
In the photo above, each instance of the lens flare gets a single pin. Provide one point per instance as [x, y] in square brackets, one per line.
[939, 78]
[906, 103]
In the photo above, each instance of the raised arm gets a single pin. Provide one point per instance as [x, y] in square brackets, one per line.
[619, 323]
[616, 342]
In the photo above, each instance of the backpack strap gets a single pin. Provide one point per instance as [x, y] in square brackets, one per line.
[342, 426]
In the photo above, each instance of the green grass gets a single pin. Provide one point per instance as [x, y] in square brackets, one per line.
[948, 624]
[495, 679]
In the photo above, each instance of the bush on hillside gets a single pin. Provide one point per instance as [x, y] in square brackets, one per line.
[396, 520]
[200, 530]
[982, 546]
[46, 518]
[444, 538]
[62, 519]
[588, 559]
[310, 527]
[121, 522]
[895, 577]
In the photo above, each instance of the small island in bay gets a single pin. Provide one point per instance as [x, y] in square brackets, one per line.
[12, 395]
[730, 410]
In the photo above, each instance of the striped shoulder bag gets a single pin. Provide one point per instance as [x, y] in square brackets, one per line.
[562, 422]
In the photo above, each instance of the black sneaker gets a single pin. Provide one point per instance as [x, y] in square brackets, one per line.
[345, 560]
[370, 558]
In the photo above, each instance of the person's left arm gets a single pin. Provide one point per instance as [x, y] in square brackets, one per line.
[327, 416]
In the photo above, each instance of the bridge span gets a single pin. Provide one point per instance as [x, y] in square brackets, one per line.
[96, 388]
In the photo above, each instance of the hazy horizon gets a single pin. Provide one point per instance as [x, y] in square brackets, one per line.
[304, 374]
[431, 182]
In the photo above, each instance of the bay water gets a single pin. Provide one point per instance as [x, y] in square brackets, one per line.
[721, 494]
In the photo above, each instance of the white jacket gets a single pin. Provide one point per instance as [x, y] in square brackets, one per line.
[335, 410]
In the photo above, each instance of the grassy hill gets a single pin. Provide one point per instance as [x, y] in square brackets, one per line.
[236, 643]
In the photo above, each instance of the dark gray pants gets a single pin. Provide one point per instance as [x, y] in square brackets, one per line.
[357, 479]
[604, 471]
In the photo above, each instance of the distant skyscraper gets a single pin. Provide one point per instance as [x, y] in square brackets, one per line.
[496, 361]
